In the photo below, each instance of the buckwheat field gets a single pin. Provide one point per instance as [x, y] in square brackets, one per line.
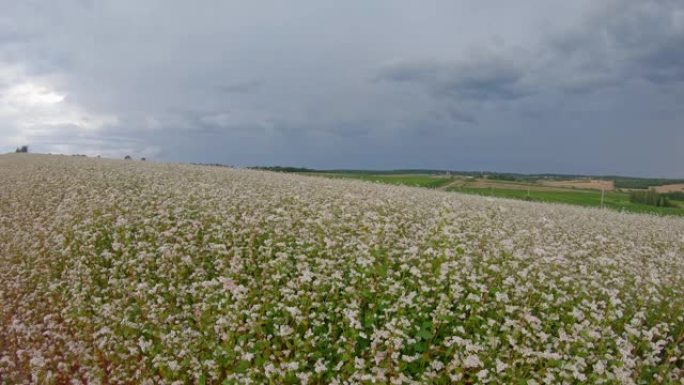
[127, 272]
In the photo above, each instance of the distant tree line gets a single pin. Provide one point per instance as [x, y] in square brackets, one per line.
[284, 169]
[650, 197]
[504, 177]
[22, 149]
[211, 164]
[642, 183]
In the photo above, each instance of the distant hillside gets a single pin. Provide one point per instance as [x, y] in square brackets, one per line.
[620, 182]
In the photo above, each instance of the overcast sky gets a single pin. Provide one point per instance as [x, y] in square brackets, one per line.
[580, 86]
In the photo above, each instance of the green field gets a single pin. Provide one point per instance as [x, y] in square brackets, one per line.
[530, 191]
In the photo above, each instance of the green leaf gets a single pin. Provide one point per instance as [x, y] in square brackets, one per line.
[425, 334]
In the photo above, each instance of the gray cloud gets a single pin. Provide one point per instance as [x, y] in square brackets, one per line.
[630, 40]
[481, 79]
[241, 87]
[533, 86]
[627, 41]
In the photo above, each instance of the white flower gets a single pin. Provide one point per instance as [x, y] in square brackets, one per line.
[599, 367]
[285, 330]
[472, 297]
[320, 367]
[500, 366]
[437, 365]
[173, 365]
[472, 361]
[303, 377]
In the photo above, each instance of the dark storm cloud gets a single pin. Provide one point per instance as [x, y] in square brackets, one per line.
[534, 85]
[625, 42]
[489, 79]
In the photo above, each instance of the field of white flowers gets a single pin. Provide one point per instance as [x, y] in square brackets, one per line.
[126, 272]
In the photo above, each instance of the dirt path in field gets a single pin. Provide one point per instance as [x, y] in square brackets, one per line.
[453, 184]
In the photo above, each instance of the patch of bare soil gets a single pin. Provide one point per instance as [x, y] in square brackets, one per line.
[590, 184]
[489, 183]
[679, 187]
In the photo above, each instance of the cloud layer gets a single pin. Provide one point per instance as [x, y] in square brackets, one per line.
[538, 86]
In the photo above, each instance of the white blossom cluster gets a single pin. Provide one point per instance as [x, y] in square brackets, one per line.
[115, 272]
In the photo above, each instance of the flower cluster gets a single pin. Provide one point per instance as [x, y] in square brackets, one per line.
[118, 272]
